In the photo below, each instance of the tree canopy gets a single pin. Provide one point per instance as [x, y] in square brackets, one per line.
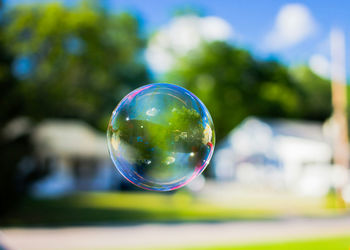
[233, 85]
[74, 62]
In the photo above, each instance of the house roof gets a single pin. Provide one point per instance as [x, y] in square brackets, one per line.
[297, 128]
[69, 138]
[258, 134]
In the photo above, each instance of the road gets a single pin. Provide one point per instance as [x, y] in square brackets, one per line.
[150, 236]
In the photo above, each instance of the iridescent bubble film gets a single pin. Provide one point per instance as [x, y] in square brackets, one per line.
[160, 137]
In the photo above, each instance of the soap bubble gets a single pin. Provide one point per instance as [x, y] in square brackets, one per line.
[160, 137]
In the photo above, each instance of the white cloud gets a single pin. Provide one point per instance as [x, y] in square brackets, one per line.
[294, 23]
[320, 65]
[180, 36]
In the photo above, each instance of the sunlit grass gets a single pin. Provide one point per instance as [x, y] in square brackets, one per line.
[127, 207]
[139, 207]
[335, 243]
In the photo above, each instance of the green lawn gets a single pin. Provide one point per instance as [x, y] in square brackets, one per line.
[127, 207]
[135, 207]
[336, 243]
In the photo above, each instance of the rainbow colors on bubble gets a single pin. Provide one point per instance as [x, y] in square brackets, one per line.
[160, 137]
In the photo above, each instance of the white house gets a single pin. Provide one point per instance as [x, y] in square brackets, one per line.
[281, 154]
[77, 157]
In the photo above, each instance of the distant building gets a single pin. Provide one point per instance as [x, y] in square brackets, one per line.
[76, 155]
[281, 154]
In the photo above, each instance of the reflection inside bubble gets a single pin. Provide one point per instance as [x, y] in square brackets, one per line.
[160, 137]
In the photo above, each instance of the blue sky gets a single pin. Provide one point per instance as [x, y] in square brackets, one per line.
[251, 21]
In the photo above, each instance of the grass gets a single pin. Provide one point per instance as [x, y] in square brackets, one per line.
[139, 207]
[335, 243]
[128, 207]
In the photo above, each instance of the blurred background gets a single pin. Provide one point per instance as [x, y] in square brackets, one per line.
[273, 75]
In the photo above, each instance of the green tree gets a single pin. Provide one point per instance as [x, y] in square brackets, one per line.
[12, 148]
[234, 85]
[316, 93]
[74, 62]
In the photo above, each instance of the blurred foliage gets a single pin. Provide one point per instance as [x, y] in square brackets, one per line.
[73, 62]
[60, 62]
[316, 97]
[11, 152]
[234, 85]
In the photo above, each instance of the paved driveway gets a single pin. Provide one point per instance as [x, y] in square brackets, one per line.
[166, 235]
